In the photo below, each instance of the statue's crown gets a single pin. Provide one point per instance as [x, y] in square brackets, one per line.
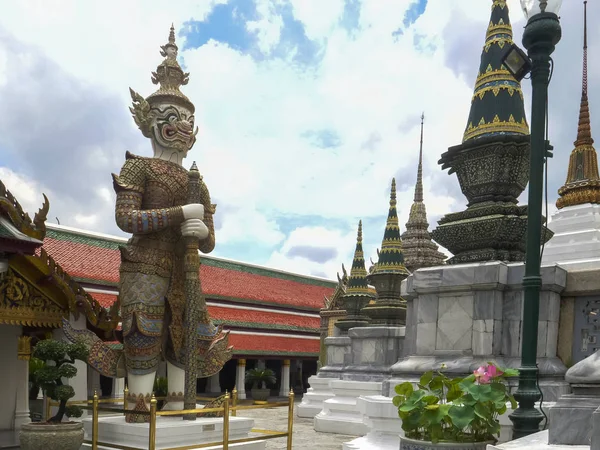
[169, 75]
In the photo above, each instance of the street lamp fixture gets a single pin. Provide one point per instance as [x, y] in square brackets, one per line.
[540, 37]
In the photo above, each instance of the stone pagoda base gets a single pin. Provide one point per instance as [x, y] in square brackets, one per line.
[466, 315]
[340, 414]
[338, 355]
[383, 423]
[374, 350]
[576, 241]
[172, 432]
[312, 401]
[486, 232]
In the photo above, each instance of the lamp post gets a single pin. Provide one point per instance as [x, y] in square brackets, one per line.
[541, 34]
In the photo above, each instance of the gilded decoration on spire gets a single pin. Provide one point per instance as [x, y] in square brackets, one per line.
[357, 282]
[583, 183]
[391, 258]
[419, 250]
[497, 103]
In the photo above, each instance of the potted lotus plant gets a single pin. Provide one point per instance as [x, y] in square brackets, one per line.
[458, 413]
[260, 378]
[59, 357]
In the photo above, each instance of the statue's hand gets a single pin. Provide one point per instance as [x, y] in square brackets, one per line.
[195, 228]
[193, 211]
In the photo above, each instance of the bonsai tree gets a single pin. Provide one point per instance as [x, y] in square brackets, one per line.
[59, 357]
[260, 378]
[34, 386]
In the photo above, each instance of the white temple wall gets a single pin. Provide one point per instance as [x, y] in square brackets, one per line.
[9, 335]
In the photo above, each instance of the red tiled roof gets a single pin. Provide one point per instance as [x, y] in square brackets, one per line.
[236, 316]
[97, 259]
[105, 300]
[270, 344]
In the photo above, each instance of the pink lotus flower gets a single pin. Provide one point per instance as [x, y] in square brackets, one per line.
[485, 374]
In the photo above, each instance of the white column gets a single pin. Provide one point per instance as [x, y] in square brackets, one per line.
[22, 373]
[118, 387]
[240, 379]
[213, 386]
[79, 382]
[285, 378]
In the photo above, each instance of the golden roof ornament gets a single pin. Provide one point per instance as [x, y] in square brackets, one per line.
[583, 182]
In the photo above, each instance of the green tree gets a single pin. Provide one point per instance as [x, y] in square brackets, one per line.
[59, 357]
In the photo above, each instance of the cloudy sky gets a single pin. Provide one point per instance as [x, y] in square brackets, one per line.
[306, 110]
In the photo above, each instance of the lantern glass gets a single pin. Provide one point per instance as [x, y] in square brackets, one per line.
[532, 7]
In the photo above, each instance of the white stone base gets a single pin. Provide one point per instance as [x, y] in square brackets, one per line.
[340, 414]
[381, 418]
[312, 401]
[576, 241]
[172, 432]
[537, 441]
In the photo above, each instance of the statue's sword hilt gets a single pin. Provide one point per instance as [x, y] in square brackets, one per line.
[193, 294]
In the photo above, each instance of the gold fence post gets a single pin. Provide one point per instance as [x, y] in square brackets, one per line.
[234, 400]
[290, 420]
[125, 395]
[95, 421]
[226, 422]
[152, 433]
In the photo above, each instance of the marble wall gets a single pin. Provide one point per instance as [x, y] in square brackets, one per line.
[463, 315]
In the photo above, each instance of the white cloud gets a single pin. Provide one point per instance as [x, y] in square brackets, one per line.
[247, 224]
[27, 192]
[318, 17]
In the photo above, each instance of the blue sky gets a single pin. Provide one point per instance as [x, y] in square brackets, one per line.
[306, 110]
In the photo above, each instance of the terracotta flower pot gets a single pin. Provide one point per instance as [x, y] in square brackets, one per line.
[414, 444]
[44, 436]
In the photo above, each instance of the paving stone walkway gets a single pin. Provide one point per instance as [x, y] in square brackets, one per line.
[305, 437]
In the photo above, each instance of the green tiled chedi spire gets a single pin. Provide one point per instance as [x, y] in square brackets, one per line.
[391, 258]
[497, 104]
[357, 282]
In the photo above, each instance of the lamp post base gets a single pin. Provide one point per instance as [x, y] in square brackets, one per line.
[526, 418]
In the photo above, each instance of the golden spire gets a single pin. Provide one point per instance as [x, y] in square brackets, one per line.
[583, 183]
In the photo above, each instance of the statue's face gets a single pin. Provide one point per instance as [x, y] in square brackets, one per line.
[172, 128]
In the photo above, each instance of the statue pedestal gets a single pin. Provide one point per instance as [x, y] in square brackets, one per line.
[172, 432]
[312, 401]
[571, 418]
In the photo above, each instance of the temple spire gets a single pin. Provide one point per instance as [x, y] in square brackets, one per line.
[497, 104]
[419, 185]
[418, 248]
[357, 282]
[583, 182]
[391, 257]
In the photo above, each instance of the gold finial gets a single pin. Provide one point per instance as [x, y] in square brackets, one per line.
[172, 35]
[584, 130]
[393, 192]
